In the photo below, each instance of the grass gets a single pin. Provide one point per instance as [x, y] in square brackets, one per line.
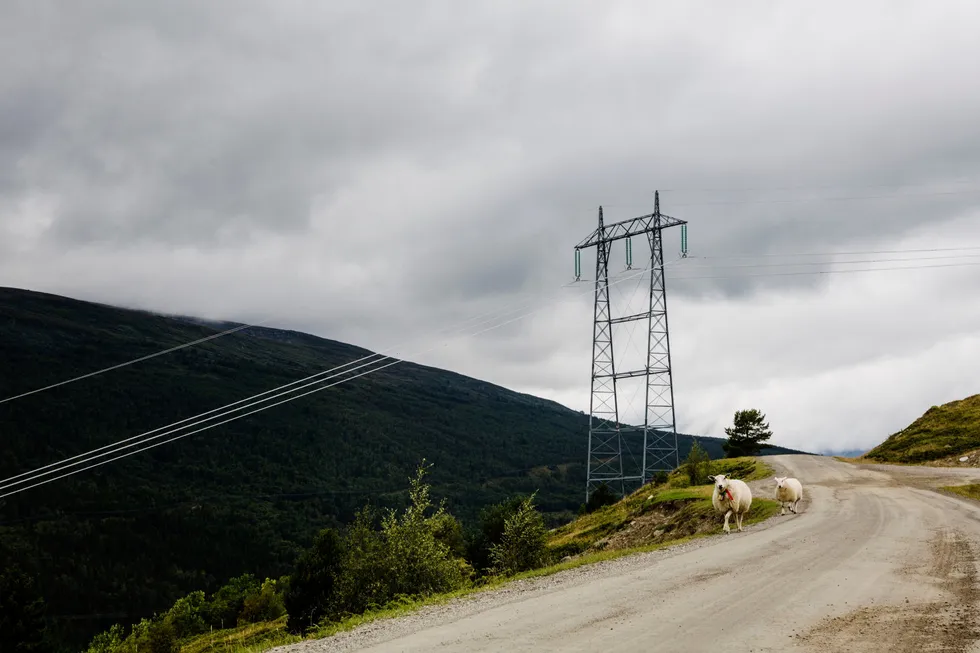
[252, 638]
[943, 431]
[684, 513]
[659, 514]
[969, 491]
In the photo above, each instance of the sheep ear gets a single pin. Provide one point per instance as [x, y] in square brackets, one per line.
[712, 478]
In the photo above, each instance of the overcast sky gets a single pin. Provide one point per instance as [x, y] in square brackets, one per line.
[375, 171]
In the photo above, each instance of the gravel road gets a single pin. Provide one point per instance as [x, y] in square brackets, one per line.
[875, 561]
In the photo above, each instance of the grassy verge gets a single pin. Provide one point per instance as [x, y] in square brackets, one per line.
[968, 491]
[252, 638]
[652, 518]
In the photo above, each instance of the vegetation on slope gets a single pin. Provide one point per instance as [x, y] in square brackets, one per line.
[124, 541]
[662, 513]
[414, 558]
[943, 431]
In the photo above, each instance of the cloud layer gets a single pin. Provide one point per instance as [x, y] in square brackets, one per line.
[375, 171]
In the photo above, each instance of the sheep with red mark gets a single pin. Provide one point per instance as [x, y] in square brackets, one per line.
[731, 497]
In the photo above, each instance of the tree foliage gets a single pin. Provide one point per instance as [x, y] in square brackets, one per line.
[523, 545]
[697, 465]
[601, 496]
[747, 433]
[22, 627]
[311, 585]
[490, 532]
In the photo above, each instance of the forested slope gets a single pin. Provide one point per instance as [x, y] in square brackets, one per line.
[125, 539]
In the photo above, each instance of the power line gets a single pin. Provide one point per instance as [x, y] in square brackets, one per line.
[960, 180]
[789, 200]
[872, 260]
[266, 322]
[846, 271]
[135, 360]
[852, 253]
[7, 482]
[33, 475]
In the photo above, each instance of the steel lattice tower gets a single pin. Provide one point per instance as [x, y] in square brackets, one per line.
[606, 432]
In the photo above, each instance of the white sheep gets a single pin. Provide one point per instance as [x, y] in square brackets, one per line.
[788, 491]
[731, 496]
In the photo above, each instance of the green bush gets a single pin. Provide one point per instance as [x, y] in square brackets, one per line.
[601, 496]
[109, 641]
[187, 616]
[311, 585]
[490, 532]
[227, 603]
[161, 637]
[264, 605]
[404, 559]
[22, 628]
[523, 545]
[697, 465]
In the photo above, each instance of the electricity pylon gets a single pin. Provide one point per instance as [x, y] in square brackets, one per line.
[605, 461]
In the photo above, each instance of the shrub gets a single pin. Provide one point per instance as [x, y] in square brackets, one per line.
[490, 532]
[448, 530]
[311, 585]
[697, 465]
[523, 545]
[264, 605]
[161, 637]
[22, 627]
[109, 641]
[407, 557]
[187, 616]
[601, 496]
[227, 603]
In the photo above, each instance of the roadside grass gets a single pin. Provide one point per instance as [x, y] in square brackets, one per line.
[971, 491]
[867, 461]
[682, 512]
[251, 638]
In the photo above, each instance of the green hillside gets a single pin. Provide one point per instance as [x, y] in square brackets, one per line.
[121, 541]
[948, 430]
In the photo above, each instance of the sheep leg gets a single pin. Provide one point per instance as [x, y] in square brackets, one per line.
[738, 520]
[782, 508]
[795, 507]
[728, 514]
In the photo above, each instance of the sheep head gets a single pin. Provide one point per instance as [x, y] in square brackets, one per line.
[780, 482]
[721, 483]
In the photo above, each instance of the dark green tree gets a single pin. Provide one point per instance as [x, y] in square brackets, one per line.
[228, 601]
[490, 532]
[310, 588]
[697, 465]
[747, 433]
[602, 496]
[22, 627]
[524, 543]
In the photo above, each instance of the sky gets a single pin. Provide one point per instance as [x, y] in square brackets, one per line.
[379, 172]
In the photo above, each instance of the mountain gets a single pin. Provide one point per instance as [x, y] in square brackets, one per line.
[120, 541]
[941, 432]
[844, 453]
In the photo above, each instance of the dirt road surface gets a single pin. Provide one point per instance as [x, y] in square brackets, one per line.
[877, 560]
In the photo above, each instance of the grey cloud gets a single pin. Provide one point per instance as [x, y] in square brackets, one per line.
[375, 171]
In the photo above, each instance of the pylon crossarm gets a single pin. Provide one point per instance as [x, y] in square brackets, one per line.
[629, 228]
